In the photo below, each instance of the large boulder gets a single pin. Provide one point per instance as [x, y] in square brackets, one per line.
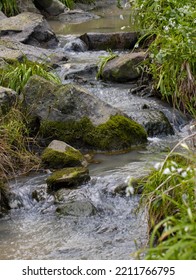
[7, 99]
[59, 103]
[114, 41]
[58, 154]
[13, 50]
[67, 178]
[71, 114]
[123, 68]
[28, 28]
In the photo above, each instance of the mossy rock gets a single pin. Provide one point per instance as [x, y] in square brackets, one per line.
[118, 133]
[67, 178]
[123, 68]
[59, 155]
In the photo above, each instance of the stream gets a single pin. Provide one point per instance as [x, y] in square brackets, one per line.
[33, 230]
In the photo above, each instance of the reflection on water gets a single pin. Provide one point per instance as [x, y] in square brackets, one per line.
[111, 20]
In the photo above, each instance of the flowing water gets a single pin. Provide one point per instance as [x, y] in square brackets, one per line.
[33, 229]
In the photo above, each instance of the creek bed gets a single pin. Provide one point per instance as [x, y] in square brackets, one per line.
[33, 229]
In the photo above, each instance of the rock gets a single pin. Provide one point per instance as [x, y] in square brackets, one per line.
[2, 15]
[77, 208]
[7, 99]
[69, 102]
[76, 45]
[40, 194]
[67, 178]
[113, 41]
[118, 133]
[74, 16]
[98, 4]
[15, 201]
[4, 201]
[121, 188]
[52, 7]
[59, 155]
[28, 28]
[71, 114]
[123, 68]
[79, 73]
[27, 6]
[12, 50]
[155, 122]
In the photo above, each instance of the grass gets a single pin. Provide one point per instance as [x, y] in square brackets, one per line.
[103, 62]
[9, 7]
[169, 194]
[70, 3]
[15, 143]
[172, 53]
[15, 75]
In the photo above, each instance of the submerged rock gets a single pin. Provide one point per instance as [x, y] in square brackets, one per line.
[71, 114]
[74, 16]
[67, 178]
[59, 155]
[28, 28]
[123, 68]
[77, 208]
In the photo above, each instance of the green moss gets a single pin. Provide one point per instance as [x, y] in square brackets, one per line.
[56, 159]
[118, 133]
[71, 132]
[67, 178]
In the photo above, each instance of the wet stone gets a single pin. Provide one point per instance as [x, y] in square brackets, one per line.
[77, 208]
[67, 178]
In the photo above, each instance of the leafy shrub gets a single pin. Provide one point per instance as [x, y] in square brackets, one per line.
[172, 53]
